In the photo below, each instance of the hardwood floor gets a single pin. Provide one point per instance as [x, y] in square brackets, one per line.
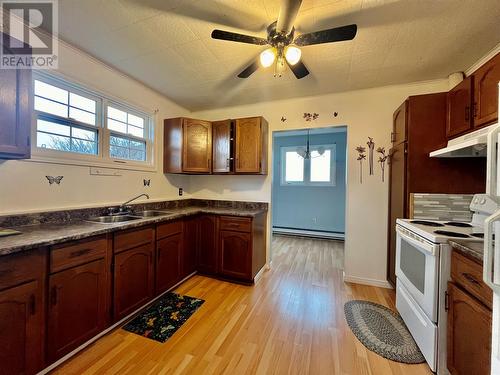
[291, 322]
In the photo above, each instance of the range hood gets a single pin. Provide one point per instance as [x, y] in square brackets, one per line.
[471, 145]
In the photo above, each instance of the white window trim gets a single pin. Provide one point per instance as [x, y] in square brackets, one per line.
[40, 155]
[307, 167]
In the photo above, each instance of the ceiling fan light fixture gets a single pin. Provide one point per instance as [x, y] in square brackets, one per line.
[293, 55]
[267, 57]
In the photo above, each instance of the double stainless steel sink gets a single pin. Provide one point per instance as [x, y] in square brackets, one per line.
[113, 219]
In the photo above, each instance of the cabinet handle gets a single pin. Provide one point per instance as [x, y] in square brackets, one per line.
[475, 109]
[32, 304]
[393, 137]
[467, 113]
[53, 296]
[227, 163]
[446, 301]
[471, 279]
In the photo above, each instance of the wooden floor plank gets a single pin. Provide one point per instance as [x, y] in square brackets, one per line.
[291, 322]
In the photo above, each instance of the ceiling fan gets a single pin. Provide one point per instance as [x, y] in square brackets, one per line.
[284, 46]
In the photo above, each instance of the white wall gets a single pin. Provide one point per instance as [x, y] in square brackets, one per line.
[366, 113]
[23, 186]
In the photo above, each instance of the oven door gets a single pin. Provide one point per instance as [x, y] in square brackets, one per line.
[417, 268]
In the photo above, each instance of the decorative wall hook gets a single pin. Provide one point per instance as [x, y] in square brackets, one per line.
[57, 180]
[283, 118]
[335, 114]
[310, 116]
[147, 182]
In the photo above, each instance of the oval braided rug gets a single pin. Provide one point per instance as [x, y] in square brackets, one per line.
[382, 331]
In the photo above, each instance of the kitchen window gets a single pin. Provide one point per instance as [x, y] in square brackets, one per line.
[318, 170]
[74, 125]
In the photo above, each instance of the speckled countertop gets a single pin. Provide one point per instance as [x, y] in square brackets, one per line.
[39, 235]
[470, 249]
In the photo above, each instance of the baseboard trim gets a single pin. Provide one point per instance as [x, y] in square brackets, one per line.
[365, 281]
[259, 274]
[107, 330]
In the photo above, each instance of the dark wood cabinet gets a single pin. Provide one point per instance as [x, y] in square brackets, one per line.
[15, 113]
[207, 249]
[133, 270]
[459, 108]
[486, 80]
[251, 145]
[469, 334]
[235, 255]
[223, 141]
[22, 313]
[78, 307]
[168, 262]
[419, 127]
[187, 146]
[189, 261]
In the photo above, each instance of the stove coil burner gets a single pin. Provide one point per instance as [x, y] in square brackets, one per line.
[427, 223]
[458, 224]
[478, 235]
[451, 234]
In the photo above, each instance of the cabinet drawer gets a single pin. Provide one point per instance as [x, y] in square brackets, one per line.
[20, 268]
[168, 229]
[133, 238]
[469, 275]
[239, 224]
[79, 252]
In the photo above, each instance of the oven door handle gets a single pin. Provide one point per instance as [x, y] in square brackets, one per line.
[423, 247]
[491, 163]
[489, 251]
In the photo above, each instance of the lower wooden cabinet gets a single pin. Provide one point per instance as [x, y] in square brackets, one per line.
[207, 248]
[133, 279]
[235, 255]
[22, 313]
[78, 300]
[168, 262]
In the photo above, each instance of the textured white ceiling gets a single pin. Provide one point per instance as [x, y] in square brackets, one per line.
[166, 44]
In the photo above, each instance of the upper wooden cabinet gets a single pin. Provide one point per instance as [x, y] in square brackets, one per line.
[188, 146]
[15, 113]
[251, 145]
[222, 147]
[399, 124]
[459, 108]
[486, 80]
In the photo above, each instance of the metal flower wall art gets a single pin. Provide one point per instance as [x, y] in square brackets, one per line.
[382, 159]
[371, 148]
[361, 156]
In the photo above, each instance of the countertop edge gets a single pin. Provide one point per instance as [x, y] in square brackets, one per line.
[467, 251]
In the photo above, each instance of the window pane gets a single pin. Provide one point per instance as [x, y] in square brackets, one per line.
[294, 164]
[117, 126]
[53, 142]
[82, 102]
[117, 114]
[136, 121]
[51, 92]
[87, 135]
[82, 116]
[124, 148]
[48, 106]
[83, 147]
[138, 132]
[51, 127]
[118, 152]
[320, 166]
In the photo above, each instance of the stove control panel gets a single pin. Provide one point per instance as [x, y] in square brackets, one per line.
[484, 204]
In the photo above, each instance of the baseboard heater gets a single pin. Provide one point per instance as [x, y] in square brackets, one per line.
[309, 233]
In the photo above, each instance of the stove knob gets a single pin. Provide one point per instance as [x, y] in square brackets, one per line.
[483, 201]
[476, 201]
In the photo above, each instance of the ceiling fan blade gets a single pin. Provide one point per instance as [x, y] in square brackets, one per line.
[336, 34]
[235, 37]
[249, 70]
[298, 69]
[288, 13]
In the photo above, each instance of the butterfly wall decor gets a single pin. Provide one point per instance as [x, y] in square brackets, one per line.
[54, 180]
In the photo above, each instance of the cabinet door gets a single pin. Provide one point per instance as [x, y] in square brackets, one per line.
[168, 262]
[486, 92]
[21, 327]
[469, 334]
[78, 307]
[221, 131]
[207, 254]
[397, 202]
[197, 146]
[399, 124]
[133, 279]
[458, 107]
[236, 255]
[248, 147]
[15, 113]
[188, 253]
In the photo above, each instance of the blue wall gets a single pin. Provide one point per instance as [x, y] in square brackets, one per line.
[297, 206]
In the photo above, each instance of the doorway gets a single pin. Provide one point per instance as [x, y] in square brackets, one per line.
[309, 182]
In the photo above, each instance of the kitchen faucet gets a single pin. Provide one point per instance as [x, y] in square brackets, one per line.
[124, 208]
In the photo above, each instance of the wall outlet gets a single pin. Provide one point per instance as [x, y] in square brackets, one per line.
[180, 192]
